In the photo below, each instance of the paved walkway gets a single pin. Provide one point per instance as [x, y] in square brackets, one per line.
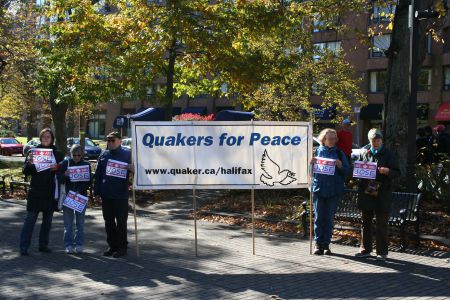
[225, 269]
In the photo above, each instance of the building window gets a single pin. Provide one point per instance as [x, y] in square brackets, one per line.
[424, 80]
[97, 125]
[380, 44]
[446, 39]
[330, 46]
[447, 79]
[324, 25]
[382, 13]
[377, 81]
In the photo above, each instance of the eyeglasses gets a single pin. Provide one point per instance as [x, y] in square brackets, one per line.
[111, 140]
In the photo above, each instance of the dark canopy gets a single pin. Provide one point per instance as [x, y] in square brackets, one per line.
[233, 115]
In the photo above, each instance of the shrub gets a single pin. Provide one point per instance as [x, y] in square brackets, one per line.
[193, 117]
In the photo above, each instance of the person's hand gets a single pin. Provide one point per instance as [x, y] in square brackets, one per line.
[130, 168]
[98, 199]
[312, 161]
[53, 167]
[338, 163]
[67, 173]
[30, 157]
[383, 170]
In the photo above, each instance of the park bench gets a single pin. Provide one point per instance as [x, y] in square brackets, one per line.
[18, 183]
[404, 212]
[3, 185]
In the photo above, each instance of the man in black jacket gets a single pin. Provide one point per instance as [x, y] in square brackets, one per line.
[375, 196]
[111, 186]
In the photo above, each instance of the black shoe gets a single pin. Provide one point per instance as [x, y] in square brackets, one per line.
[326, 250]
[119, 253]
[109, 252]
[45, 249]
[24, 253]
[318, 249]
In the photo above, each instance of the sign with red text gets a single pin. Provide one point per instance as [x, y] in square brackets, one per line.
[75, 201]
[116, 168]
[79, 173]
[43, 158]
[325, 166]
[364, 169]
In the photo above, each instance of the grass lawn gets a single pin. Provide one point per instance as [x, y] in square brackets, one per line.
[22, 139]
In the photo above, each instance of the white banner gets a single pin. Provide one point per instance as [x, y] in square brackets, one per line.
[75, 201]
[225, 155]
[324, 166]
[364, 169]
[43, 158]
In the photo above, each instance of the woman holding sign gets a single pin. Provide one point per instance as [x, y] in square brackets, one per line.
[330, 170]
[41, 165]
[375, 193]
[76, 174]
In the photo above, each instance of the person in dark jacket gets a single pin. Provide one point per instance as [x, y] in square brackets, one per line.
[111, 187]
[72, 245]
[41, 195]
[375, 196]
[327, 190]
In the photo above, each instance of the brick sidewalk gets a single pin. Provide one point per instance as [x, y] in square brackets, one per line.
[225, 268]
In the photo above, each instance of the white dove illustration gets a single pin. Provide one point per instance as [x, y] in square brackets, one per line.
[272, 173]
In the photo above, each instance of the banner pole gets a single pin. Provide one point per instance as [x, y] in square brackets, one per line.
[134, 198]
[311, 196]
[253, 219]
[194, 199]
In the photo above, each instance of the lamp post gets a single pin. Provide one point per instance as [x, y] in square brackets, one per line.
[357, 110]
[413, 23]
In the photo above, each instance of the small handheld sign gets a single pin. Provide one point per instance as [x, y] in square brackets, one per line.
[364, 169]
[79, 173]
[42, 158]
[75, 201]
[325, 166]
[116, 168]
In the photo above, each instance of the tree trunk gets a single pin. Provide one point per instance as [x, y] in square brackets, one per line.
[168, 105]
[59, 111]
[397, 96]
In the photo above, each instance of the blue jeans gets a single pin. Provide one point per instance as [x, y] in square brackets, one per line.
[68, 227]
[324, 210]
[28, 227]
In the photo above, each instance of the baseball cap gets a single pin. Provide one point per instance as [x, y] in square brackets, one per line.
[375, 133]
[114, 134]
[346, 122]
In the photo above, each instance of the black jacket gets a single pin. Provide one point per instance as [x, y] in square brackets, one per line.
[41, 196]
[80, 187]
[384, 158]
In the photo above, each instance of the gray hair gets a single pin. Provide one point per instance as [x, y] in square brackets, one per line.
[76, 149]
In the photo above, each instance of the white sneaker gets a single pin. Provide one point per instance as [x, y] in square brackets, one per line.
[69, 250]
[78, 249]
[381, 257]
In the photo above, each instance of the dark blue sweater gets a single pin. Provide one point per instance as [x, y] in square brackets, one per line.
[110, 187]
[327, 185]
[80, 187]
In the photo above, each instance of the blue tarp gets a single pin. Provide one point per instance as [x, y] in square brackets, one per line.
[149, 114]
[233, 115]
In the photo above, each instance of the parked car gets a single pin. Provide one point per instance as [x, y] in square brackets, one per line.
[31, 144]
[91, 149]
[356, 151]
[10, 146]
[126, 143]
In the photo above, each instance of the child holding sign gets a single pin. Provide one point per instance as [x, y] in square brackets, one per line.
[330, 168]
[76, 174]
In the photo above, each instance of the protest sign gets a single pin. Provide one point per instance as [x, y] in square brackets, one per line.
[116, 168]
[79, 173]
[366, 170]
[75, 201]
[325, 166]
